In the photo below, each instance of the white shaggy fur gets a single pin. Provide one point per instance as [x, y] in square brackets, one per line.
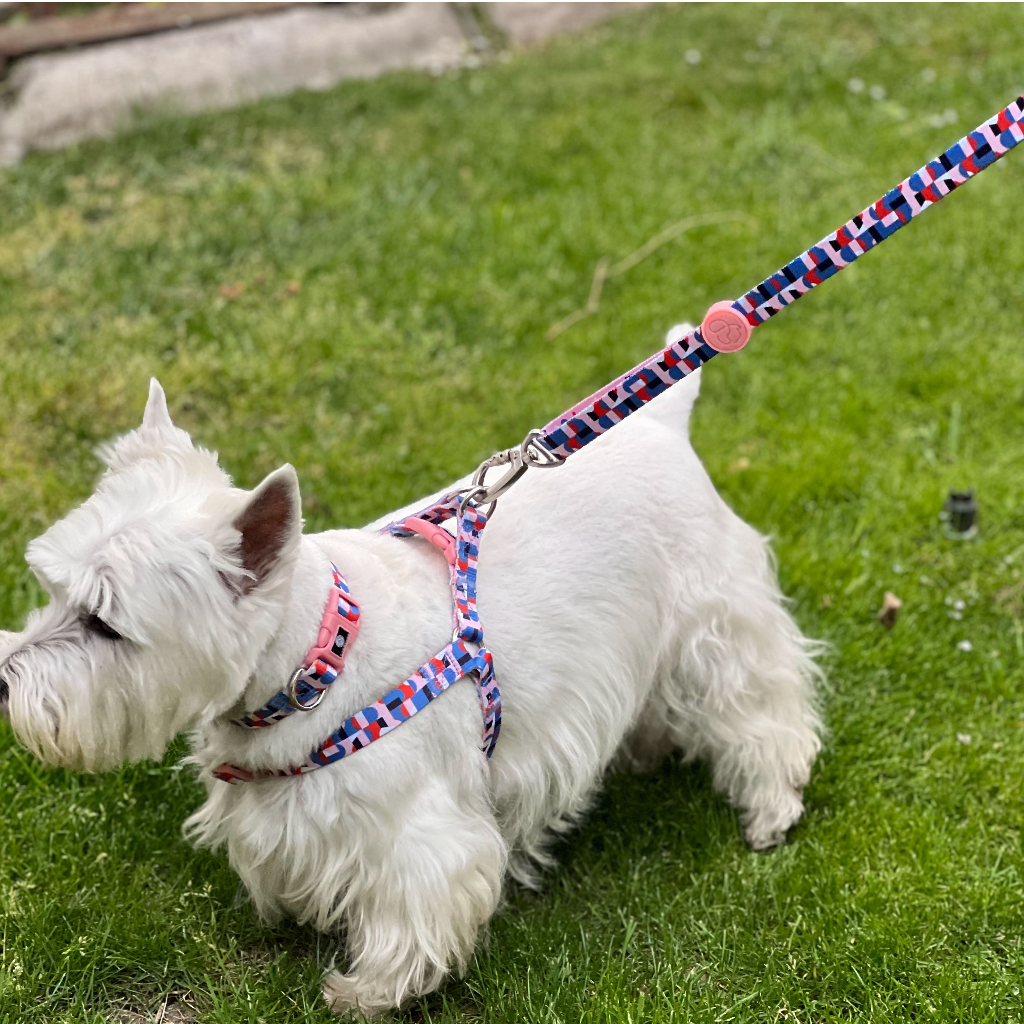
[629, 612]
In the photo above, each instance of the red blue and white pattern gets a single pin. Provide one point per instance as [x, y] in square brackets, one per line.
[450, 665]
[466, 618]
[316, 674]
[392, 710]
[898, 207]
[972, 154]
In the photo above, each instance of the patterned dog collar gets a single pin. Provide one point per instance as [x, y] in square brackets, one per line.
[322, 664]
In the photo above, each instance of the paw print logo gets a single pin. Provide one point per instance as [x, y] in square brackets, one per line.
[725, 333]
[725, 329]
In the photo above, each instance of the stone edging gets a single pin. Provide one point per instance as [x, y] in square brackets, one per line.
[57, 99]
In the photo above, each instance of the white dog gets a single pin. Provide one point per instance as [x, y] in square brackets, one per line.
[628, 610]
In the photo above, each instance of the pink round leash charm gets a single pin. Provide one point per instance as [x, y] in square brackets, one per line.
[724, 328]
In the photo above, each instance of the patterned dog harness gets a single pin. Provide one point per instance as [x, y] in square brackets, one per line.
[726, 327]
[339, 626]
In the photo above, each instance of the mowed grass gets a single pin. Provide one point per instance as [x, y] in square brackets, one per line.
[360, 283]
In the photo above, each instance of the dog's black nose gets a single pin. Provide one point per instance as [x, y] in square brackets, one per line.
[5, 696]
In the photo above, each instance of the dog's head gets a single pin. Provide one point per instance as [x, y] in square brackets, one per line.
[163, 588]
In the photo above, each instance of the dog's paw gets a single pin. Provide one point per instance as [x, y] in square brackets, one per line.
[766, 827]
[347, 994]
[341, 992]
[759, 839]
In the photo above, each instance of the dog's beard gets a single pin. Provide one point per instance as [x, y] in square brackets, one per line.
[78, 702]
[91, 702]
[55, 707]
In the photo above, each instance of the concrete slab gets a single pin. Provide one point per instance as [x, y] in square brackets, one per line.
[56, 99]
[62, 98]
[530, 24]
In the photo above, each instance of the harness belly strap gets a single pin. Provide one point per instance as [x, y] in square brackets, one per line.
[323, 664]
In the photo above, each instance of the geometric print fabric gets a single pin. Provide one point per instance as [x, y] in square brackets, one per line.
[924, 188]
[429, 681]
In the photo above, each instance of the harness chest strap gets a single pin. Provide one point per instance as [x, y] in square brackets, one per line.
[323, 664]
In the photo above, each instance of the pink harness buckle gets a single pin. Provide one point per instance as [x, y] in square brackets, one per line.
[437, 535]
[327, 640]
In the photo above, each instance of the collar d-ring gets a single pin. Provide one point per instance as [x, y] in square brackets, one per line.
[293, 697]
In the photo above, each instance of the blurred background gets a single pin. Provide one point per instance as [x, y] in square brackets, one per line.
[363, 239]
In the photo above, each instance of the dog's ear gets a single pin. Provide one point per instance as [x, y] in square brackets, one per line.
[270, 525]
[156, 416]
[155, 436]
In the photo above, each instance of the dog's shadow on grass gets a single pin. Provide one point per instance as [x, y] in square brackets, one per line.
[670, 812]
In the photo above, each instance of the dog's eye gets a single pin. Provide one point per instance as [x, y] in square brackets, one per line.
[94, 624]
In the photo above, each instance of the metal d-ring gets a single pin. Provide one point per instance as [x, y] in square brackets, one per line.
[293, 697]
[469, 497]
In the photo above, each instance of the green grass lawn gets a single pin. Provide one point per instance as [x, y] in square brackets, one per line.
[360, 282]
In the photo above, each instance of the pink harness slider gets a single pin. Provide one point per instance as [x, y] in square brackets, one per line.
[437, 535]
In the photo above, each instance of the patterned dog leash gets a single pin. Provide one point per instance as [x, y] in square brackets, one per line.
[726, 327]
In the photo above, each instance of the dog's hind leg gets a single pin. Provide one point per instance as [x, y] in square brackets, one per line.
[740, 694]
[413, 913]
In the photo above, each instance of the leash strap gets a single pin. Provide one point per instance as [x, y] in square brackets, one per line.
[729, 329]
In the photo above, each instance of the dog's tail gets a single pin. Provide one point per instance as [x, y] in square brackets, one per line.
[673, 408]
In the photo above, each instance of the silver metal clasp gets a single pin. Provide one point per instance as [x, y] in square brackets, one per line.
[293, 697]
[519, 459]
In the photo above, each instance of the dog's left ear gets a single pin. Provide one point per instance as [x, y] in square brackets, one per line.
[156, 416]
[157, 434]
[269, 525]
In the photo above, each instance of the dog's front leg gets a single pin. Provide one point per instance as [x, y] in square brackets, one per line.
[413, 914]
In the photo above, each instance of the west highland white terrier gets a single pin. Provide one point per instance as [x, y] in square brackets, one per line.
[629, 612]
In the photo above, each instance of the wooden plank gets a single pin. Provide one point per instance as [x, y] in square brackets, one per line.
[118, 22]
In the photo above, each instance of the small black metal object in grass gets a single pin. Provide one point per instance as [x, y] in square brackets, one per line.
[960, 515]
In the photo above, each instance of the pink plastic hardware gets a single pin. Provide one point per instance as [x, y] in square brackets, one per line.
[329, 626]
[437, 535]
[725, 329]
